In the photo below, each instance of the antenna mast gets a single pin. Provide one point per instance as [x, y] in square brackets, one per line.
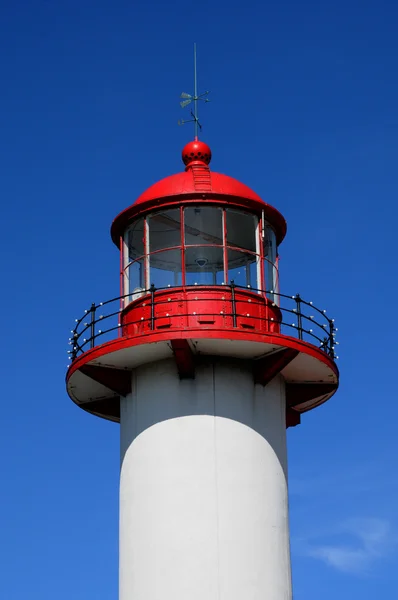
[195, 87]
[188, 98]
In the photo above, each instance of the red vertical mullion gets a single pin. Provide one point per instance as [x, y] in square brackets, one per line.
[262, 282]
[183, 279]
[225, 251]
[146, 255]
[121, 246]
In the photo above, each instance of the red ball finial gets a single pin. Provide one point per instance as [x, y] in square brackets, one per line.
[196, 152]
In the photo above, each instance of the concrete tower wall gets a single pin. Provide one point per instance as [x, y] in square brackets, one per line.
[203, 487]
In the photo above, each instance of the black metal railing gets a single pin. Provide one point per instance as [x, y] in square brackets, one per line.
[295, 319]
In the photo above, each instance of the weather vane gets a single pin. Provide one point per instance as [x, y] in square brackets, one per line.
[188, 98]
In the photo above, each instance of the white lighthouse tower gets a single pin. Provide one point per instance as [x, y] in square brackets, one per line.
[205, 363]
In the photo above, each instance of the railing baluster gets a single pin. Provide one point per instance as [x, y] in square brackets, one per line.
[152, 290]
[331, 339]
[233, 302]
[92, 326]
[299, 317]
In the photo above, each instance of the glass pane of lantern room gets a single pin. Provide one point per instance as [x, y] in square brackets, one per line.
[134, 261]
[136, 283]
[164, 230]
[270, 270]
[136, 240]
[242, 268]
[204, 265]
[165, 268]
[203, 225]
[241, 230]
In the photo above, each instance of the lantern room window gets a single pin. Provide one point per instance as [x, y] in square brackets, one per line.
[270, 264]
[243, 250]
[199, 245]
[164, 248]
[203, 225]
[134, 259]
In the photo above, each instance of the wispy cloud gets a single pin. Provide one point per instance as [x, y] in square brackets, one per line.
[353, 546]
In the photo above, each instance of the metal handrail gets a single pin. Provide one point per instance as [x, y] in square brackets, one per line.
[86, 332]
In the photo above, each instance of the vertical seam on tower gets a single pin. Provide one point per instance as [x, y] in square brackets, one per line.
[216, 482]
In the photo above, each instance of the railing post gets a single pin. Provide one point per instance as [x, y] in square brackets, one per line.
[325, 345]
[152, 290]
[299, 316]
[92, 326]
[233, 302]
[331, 339]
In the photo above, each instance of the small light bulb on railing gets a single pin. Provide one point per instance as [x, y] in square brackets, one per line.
[74, 347]
[249, 286]
[86, 311]
[336, 357]
[324, 311]
[119, 324]
[323, 325]
[332, 320]
[272, 318]
[335, 329]
[84, 340]
[195, 283]
[310, 331]
[294, 297]
[337, 343]
[101, 316]
[293, 325]
[271, 291]
[169, 285]
[85, 324]
[294, 309]
[309, 302]
[100, 304]
[312, 316]
[99, 331]
[273, 304]
[76, 320]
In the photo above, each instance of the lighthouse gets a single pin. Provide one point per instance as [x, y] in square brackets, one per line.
[205, 361]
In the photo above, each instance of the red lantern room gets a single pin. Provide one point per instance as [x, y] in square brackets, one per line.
[199, 278]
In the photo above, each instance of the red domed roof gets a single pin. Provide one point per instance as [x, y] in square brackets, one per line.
[187, 183]
[198, 183]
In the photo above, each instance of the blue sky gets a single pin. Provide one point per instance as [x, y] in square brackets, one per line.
[304, 110]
